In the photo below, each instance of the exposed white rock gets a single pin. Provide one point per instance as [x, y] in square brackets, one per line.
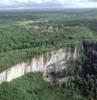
[37, 64]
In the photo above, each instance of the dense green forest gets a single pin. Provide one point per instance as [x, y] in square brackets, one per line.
[33, 87]
[24, 34]
[83, 85]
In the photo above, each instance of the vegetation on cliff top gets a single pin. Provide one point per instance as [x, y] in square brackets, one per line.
[42, 33]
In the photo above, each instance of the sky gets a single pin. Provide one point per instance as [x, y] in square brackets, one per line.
[26, 4]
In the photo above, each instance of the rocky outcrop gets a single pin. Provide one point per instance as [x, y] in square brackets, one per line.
[40, 63]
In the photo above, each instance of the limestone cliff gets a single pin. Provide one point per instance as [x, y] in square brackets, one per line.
[40, 63]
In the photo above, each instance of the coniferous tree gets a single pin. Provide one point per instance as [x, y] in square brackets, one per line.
[85, 76]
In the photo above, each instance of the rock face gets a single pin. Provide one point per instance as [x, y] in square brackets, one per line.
[41, 63]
